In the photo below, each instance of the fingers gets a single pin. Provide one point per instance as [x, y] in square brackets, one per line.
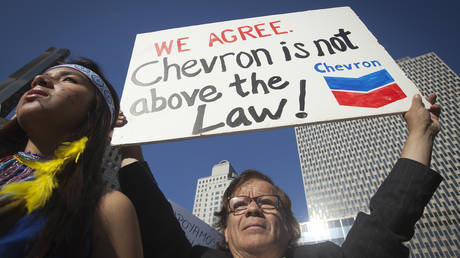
[432, 98]
[416, 102]
[121, 120]
[435, 109]
[421, 120]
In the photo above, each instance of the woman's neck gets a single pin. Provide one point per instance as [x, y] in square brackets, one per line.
[43, 146]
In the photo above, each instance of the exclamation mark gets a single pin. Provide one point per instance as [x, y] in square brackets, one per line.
[302, 114]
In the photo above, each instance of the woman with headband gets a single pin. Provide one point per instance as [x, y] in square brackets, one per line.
[52, 199]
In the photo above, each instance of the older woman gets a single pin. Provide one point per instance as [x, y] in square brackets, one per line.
[256, 217]
[52, 199]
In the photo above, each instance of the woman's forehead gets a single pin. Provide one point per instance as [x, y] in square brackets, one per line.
[255, 187]
[63, 71]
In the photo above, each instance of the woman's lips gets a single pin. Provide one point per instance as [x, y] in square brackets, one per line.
[253, 226]
[35, 93]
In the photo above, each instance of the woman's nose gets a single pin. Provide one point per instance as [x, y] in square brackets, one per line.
[42, 80]
[254, 209]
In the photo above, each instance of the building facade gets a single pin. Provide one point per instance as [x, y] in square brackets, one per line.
[343, 163]
[316, 231]
[110, 165]
[209, 191]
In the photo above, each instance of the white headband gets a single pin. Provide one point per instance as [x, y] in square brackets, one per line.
[98, 82]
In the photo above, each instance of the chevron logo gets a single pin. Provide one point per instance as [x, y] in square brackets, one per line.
[372, 90]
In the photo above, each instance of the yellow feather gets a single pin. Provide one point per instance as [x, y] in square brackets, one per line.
[43, 167]
[40, 192]
[37, 192]
[71, 149]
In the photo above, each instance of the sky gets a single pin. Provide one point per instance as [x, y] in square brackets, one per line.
[105, 32]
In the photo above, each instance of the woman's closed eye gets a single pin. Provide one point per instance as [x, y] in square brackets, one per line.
[267, 202]
[240, 204]
[70, 79]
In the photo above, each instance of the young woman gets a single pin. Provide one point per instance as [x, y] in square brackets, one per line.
[52, 199]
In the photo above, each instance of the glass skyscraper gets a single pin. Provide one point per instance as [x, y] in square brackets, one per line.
[343, 163]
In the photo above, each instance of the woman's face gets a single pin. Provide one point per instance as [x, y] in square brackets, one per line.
[58, 99]
[256, 231]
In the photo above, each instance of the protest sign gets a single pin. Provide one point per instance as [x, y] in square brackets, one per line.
[196, 230]
[258, 73]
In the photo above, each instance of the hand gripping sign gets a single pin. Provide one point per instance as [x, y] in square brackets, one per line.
[258, 73]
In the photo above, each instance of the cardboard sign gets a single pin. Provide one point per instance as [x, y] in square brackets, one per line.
[258, 73]
[196, 230]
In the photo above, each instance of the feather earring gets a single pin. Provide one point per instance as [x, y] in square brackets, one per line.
[34, 193]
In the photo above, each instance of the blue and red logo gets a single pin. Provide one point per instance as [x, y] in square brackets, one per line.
[373, 90]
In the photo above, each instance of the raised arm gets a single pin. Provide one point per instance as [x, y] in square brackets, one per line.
[161, 233]
[423, 126]
[399, 202]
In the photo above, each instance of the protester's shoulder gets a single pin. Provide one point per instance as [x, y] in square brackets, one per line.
[112, 203]
[323, 249]
[199, 251]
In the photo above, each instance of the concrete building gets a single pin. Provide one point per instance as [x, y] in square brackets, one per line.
[343, 163]
[111, 165]
[209, 191]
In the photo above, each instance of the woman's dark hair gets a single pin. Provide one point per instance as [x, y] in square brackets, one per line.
[286, 211]
[70, 211]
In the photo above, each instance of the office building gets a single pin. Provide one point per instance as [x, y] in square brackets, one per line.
[343, 163]
[209, 191]
[17, 83]
[110, 165]
[334, 230]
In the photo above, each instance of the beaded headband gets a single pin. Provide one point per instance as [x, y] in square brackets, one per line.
[97, 81]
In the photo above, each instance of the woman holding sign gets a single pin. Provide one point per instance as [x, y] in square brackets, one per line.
[52, 199]
[256, 217]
